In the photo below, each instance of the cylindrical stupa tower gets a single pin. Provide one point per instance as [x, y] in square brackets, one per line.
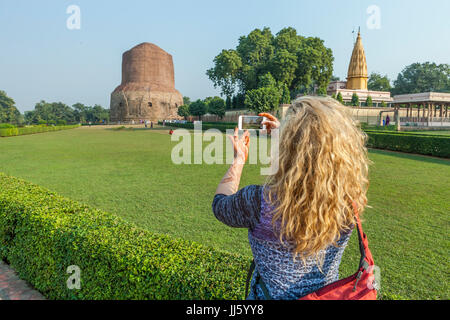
[147, 91]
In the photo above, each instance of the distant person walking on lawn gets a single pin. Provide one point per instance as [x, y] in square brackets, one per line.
[388, 120]
[301, 219]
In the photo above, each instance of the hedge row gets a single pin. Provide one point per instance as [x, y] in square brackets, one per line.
[438, 146]
[42, 234]
[9, 132]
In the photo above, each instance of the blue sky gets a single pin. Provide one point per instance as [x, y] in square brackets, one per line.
[41, 59]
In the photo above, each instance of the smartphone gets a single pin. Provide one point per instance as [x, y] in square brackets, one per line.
[251, 122]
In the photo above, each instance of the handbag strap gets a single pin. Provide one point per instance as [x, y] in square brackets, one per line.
[249, 276]
[258, 280]
[361, 236]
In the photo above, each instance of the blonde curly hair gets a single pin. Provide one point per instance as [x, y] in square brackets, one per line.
[323, 168]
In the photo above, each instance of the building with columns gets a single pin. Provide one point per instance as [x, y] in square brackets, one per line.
[424, 109]
[357, 77]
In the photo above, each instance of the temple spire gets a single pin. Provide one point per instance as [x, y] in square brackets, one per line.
[357, 70]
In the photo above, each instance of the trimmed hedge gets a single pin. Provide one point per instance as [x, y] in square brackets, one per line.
[42, 234]
[9, 132]
[433, 145]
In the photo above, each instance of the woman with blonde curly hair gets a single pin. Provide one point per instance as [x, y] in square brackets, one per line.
[301, 219]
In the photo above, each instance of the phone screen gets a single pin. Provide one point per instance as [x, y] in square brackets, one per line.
[252, 122]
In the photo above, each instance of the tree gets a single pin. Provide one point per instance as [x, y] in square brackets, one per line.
[377, 82]
[207, 100]
[51, 112]
[315, 64]
[217, 106]
[286, 95]
[322, 92]
[369, 101]
[186, 101]
[198, 108]
[98, 114]
[266, 99]
[291, 60]
[339, 98]
[423, 77]
[355, 100]
[228, 103]
[224, 74]
[80, 112]
[8, 111]
[267, 80]
[183, 111]
[54, 112]
[238, 101]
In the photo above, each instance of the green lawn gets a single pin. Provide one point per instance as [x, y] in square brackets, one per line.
[432, 132]
[130, 173]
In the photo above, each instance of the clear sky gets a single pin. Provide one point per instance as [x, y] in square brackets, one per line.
[41, 59]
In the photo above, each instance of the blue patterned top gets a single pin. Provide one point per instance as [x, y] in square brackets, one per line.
[284, 278]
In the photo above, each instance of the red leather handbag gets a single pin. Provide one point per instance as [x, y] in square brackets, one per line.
[359, 286]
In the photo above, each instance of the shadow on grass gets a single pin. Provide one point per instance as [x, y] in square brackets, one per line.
[411, 156]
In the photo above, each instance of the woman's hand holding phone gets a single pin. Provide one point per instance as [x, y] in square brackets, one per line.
[271, 123]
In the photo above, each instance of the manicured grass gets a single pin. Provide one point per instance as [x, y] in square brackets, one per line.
[432, 132]
[130, 173]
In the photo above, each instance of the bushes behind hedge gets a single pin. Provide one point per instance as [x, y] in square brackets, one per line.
[42, 234]
[9, 132]
[438, 146]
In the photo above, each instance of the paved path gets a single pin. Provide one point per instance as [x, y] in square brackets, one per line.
[12, 288]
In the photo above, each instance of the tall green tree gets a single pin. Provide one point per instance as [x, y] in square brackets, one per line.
[315, 65]
[198, 108]
[291, 59]
[377, 82]
[186, 101]
[54, 112]
[340, 98]
[355, 100]
[51, 112]
[216, 106]
[183, 111]
[266, 98]
[99, 115]
[286, 95]
[8, 111]
[228, 103]
[224, 75]
[238, 101]
[80, 112]
[423, 77]
[369, 102]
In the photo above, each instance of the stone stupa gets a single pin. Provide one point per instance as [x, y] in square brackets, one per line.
[147, 91]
